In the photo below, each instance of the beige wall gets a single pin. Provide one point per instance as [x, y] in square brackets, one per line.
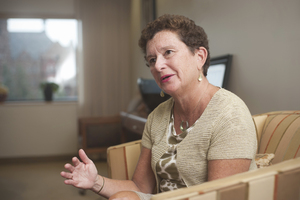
[139, 68]
[105, 72]
[41, 129]
[38, 7]
[264, 38]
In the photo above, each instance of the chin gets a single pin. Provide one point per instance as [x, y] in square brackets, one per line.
[169, 92]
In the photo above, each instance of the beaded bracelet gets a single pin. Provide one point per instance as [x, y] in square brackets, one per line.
[102, 185]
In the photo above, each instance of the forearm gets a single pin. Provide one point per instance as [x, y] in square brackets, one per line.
[112, 186]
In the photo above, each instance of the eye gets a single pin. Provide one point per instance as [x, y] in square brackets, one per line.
[151, 62]
[168, 52]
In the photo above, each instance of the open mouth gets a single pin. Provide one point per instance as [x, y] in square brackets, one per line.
[165, 78]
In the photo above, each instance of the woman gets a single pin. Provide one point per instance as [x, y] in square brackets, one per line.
[201, 134]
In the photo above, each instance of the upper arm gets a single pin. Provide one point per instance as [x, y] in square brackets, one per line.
[143, 176]
[226, 167]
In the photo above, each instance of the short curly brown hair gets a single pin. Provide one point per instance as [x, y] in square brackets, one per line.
[189, 33]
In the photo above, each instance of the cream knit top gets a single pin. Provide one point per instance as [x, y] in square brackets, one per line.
[225, 130]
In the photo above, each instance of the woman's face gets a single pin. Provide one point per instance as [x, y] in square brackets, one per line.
[174, 67]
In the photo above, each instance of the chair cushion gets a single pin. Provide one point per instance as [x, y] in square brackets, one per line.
[259, 122]
[281, 135]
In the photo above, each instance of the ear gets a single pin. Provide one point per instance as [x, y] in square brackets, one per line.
[201, 54]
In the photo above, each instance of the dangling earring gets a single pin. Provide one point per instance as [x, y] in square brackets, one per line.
[162, 94]
[200, 77]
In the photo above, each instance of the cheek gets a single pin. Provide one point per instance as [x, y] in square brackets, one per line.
[156, 77]
[152, 71]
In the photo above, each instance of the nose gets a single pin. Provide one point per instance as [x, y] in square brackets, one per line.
[160, 63]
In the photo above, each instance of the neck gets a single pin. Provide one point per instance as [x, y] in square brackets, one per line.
[187, 105]
[189, 117]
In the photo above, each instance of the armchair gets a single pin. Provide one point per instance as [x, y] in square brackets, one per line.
[277, 132]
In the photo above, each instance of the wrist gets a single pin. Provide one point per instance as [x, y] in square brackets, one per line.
[99, 184]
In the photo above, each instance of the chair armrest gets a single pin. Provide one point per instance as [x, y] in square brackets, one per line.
[266, 183]
[122, 160]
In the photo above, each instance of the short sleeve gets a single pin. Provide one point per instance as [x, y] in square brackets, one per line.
[234, 135]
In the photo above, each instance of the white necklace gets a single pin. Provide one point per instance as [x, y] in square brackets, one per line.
[186, 122]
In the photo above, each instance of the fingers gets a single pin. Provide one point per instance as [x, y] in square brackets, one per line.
[66, 175]
[75, 161]
[69, 167]
[78, 167]
[69, 178]
[84, 157]
[69, 182]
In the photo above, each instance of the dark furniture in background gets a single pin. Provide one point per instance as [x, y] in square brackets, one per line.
[98, 133]
[150, 93]
[132, 126]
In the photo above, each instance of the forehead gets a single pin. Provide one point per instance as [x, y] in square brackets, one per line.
[163, 39]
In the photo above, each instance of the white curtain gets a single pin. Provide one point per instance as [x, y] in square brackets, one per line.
[104, 72]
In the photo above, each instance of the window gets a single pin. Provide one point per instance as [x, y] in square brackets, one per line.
[34, 51]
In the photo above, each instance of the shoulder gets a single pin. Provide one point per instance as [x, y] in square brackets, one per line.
[162, 110]
[226, 101]
[227, 96]
[226, 107]
[158, 119]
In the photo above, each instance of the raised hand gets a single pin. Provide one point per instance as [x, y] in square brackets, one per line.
[81, 174]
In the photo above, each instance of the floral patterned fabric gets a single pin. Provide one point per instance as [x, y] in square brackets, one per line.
[264, 160]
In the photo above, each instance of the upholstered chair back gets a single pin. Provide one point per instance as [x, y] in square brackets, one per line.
[278, 133]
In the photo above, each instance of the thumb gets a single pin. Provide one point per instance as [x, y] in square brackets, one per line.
[84, 157]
